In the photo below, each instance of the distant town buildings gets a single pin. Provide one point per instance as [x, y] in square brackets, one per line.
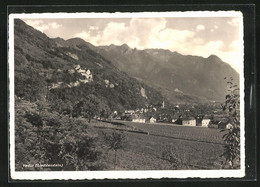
[129, 112]
[138, 119]
[205, 122]
[185, 115]
[189, 121]
[152, 120]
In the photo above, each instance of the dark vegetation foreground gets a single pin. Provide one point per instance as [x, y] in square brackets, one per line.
[50, 138]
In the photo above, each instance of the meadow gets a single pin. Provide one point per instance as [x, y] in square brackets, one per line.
[181, 132]
[195, 147]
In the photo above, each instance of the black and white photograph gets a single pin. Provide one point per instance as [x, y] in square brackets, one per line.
[126, 95]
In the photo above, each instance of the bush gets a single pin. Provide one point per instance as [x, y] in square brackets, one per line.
[170, 155]
[232, 137]
[34, 118]
[51, 138]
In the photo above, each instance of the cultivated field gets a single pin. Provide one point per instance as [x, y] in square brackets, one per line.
[180, 132]
[196, 147]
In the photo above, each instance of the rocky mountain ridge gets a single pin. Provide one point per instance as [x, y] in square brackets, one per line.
[199, 79]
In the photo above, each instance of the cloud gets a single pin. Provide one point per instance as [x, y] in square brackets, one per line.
[41, 26]
[84, 35]
[139, 33]
[234, 46]
[215, 27]
[93, 28]
[233, 56]
[153, 33]
[170, 39]
[200, 27]
[54, 25]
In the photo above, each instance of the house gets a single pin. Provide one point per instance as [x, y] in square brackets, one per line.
[138, 119]
[205, 122]
[189, 121]
[55, 85]
[77, 67]
[224, 125]
[173, 120]
[129, 112]
[152, 120]
[229, 126]
[73, 84]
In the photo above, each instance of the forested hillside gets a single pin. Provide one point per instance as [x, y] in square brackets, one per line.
[60, 73]
[57, 84]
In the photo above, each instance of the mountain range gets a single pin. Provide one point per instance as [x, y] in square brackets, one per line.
[179, 78]
[122, 77]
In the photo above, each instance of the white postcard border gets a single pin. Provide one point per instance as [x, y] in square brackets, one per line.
[137, 174]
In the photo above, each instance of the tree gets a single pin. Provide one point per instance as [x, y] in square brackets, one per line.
[104, 111]
[115, 141]
[87, 107]
[232, 137]
[63, 107]
[170, 155]
[211, 117]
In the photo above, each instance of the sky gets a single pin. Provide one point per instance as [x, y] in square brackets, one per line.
[200, 36]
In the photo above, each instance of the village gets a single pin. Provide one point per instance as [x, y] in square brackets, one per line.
[195, 115]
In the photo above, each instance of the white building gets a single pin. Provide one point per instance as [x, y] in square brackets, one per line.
[189, 121]
[229, 126]
[138, 120]
[152, 120]
[77, 67]
[205, 122]
[129, 112]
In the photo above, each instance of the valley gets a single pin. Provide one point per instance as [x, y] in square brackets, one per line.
[112, 107]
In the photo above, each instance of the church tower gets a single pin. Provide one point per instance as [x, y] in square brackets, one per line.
[163, 104]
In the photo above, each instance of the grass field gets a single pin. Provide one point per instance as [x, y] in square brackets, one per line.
[181, 132]
[198, 148]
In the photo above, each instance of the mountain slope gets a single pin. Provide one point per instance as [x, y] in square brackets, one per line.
[59, 71]
[197, 77]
